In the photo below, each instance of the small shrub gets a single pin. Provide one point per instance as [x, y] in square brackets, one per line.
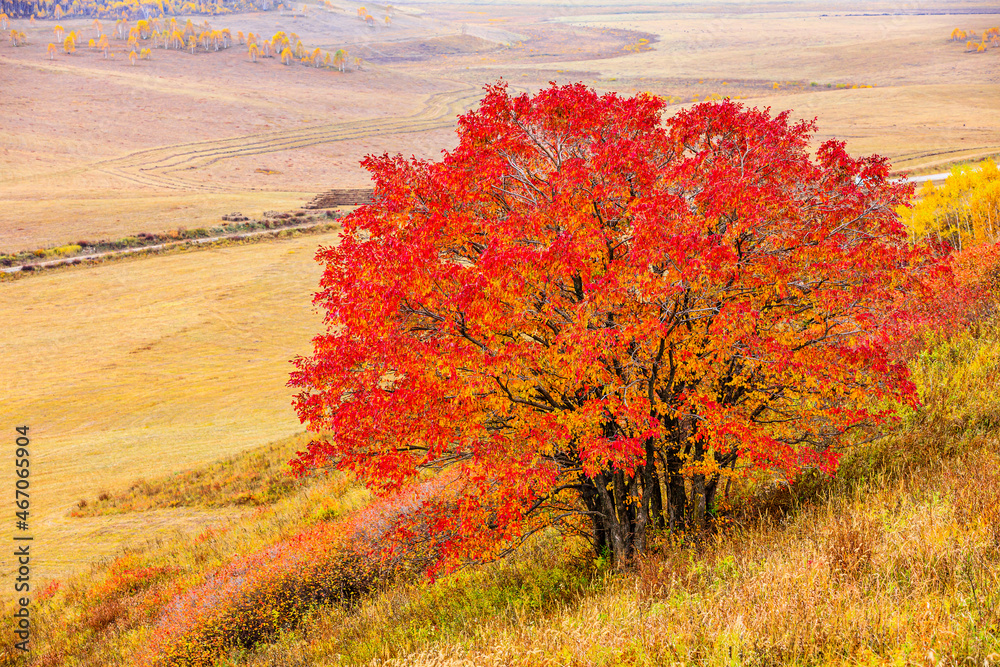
[49, 590]
[104, 614]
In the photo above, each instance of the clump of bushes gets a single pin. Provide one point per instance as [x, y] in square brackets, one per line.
[255, 597]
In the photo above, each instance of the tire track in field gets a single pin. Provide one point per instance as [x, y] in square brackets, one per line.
[973, 152]
[171, 167]
[175, 167]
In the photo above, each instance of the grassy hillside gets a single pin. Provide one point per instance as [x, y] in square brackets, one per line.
[896, 560]
[141, 368]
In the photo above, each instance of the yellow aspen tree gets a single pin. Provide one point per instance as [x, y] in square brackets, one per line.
[254, 51]
[339, 57]
[981, 48]
[132, 57]
[239, 37]
[69, 44]
[326, 59]
[315, 58]
[357, 63]
[388, 20]
[52, 51]
[287, 56]
[97, 28]
[362, 12]
[60, 32]
[58, 14]
[192, 44]
[4, 21]
[300, 49]
[145, 54]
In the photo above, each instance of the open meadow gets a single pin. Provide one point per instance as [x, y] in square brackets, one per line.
[131, 373]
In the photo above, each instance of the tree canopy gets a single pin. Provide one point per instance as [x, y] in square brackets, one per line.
[591, 316]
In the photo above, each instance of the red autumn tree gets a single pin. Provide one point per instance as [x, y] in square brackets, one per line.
[592, 317]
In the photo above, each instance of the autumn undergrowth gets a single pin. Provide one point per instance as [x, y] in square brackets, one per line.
[110, 614]
[894, 560]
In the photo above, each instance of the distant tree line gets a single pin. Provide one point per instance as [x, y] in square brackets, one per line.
[127, 9]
